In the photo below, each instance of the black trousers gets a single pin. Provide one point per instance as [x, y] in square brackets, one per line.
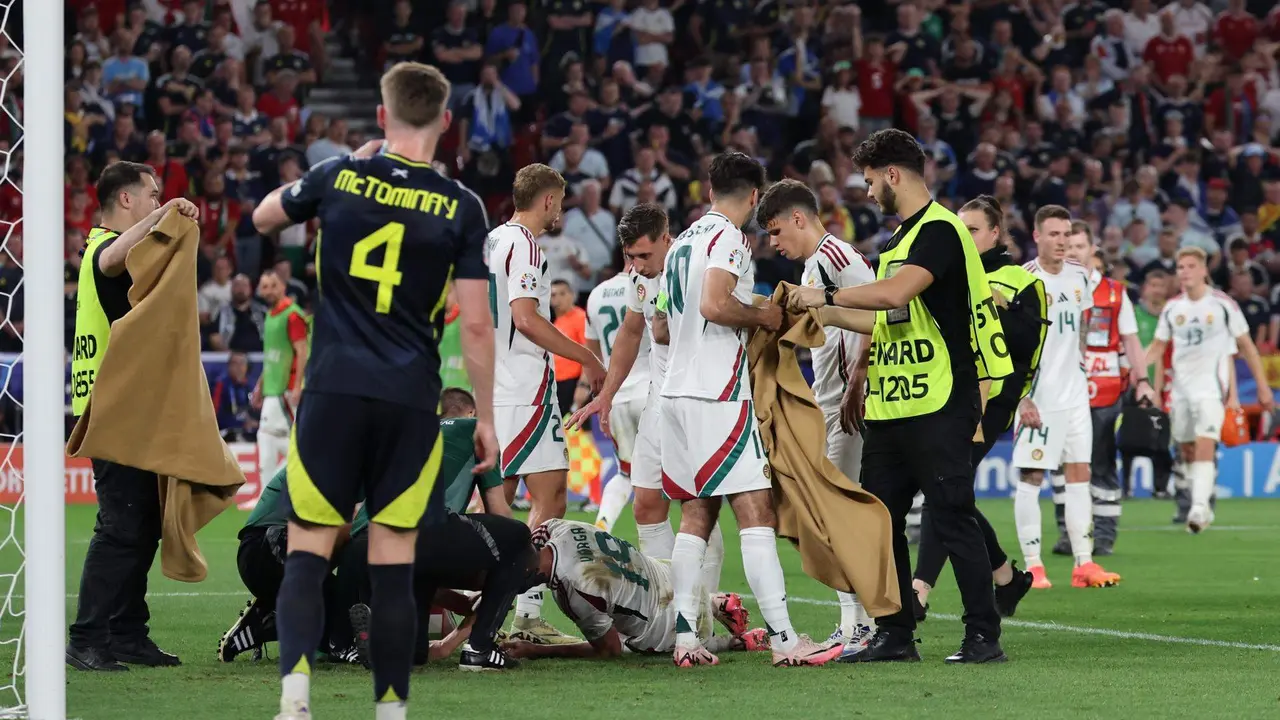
[932, 454]
[564, 395]
[112, 606]
[260, 561]
[482, 552]
[930, 558]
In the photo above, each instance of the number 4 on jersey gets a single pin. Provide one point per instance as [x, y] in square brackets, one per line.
[387, 275]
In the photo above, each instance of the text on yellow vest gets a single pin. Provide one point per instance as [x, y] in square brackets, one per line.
[93, 329]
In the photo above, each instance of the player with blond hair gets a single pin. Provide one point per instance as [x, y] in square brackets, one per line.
[526, 413]
[1201, 324]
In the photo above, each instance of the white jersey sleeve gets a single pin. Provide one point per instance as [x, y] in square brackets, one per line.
[835, 263]
[607, 306]
[1128, 323]
[523, 372]
[642, 297]
[712, 358]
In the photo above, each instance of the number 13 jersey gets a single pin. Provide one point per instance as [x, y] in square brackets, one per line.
[1061, 382]
[392, 233]
[708, 361]
[523, 373]
[1203, 334]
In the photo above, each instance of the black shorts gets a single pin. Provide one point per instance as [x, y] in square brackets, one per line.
[345, 447]
[260, 561]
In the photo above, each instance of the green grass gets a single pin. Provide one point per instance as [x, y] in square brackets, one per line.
[1222, 586]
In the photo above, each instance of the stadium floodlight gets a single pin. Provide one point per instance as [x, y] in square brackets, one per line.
[33, 570]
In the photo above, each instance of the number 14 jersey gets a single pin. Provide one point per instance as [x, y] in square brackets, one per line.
[708, 361]
[1061, 382]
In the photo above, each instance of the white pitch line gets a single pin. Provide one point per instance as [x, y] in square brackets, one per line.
[1080, 630]
[1215, 528]
[1032, 625]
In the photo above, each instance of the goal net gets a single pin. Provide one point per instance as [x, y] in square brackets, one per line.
[32, 362]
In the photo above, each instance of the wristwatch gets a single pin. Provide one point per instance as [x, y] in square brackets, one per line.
[830, 293]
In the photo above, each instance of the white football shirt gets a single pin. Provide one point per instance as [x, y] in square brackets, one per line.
[522, 371]
[1203, 334]
[712, 359]
[837, 263]
[603, 582]
[642, 297]
[1060, 383]
[606, 309]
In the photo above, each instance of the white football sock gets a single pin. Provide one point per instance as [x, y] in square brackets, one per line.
[850, 612]
[529, 605]
[397, 710]
[1026, 515]
[657, 540]
[713, 561]
[1078, 513]
[613, 499]
[767, 583]
[686, 578]
[295, 691]
[1202, 477]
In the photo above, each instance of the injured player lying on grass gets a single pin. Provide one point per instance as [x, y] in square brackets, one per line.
[621, 599]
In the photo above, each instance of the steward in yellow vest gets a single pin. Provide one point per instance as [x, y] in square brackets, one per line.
[936, 333]
[111, 619]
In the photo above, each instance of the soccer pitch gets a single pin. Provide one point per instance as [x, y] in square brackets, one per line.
[1193, 631]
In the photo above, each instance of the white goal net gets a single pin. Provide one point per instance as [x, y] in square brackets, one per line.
[32, 361]
[12, 557]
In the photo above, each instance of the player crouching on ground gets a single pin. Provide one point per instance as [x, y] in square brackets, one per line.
[621, 599]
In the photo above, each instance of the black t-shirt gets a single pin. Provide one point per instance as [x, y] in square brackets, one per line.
[466, 72]
[296, 61]
[206, 62]
[194, 37]
[937, 248]
[395, 233]
[403, 36]
[113, 292]
[923, 52]
[682, 127]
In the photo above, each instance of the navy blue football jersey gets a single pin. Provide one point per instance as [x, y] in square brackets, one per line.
[393, 233]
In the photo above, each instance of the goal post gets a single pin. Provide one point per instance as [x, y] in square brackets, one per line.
[44, 360]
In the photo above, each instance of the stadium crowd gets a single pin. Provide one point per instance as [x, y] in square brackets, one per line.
[1156, 124]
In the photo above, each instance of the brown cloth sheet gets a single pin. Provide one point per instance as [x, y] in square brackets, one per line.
[843, 532]
[151, 408]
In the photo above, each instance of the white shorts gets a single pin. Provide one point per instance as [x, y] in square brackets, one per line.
[711, 449]
[646, 461]
[1191, 419]
[625, 422]
[1064, 436]
[531, 438]
[844, 451]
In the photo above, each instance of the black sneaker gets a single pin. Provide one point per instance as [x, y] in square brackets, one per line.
[1063, 546]
[93, 659]
[143, 652]
[1104, 550]
[978, 649]
[1008, 596]
[251, 631]
[359, 615]
[921, 611]
[884, 647]
[480, 661]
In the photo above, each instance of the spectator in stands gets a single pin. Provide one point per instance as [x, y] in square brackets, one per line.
[1254, 306]
[1171, 52]
[123, 141]
[292, 241]
[404, 42]
[1140, 25]
[171, 174]
[260, 40]
[578, 164]
[206, 61]
[457, 50]
[1238, 260]
[12, 310]
[216, 291]
[280, 101]
[1166, 256]
[237, 325]
[172, 92]
[192, 32]
[592, 226]
[1222, 219]
[249, 124]
[332, 144]
[653, 30]
[626, 188]
[289, 59]
[1178, 215]
[219, 217]
[515, 46]
[236, 416]
[126, 76]
[96, 44]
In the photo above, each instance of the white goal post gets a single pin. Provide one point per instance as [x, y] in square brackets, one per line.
[44, 362]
